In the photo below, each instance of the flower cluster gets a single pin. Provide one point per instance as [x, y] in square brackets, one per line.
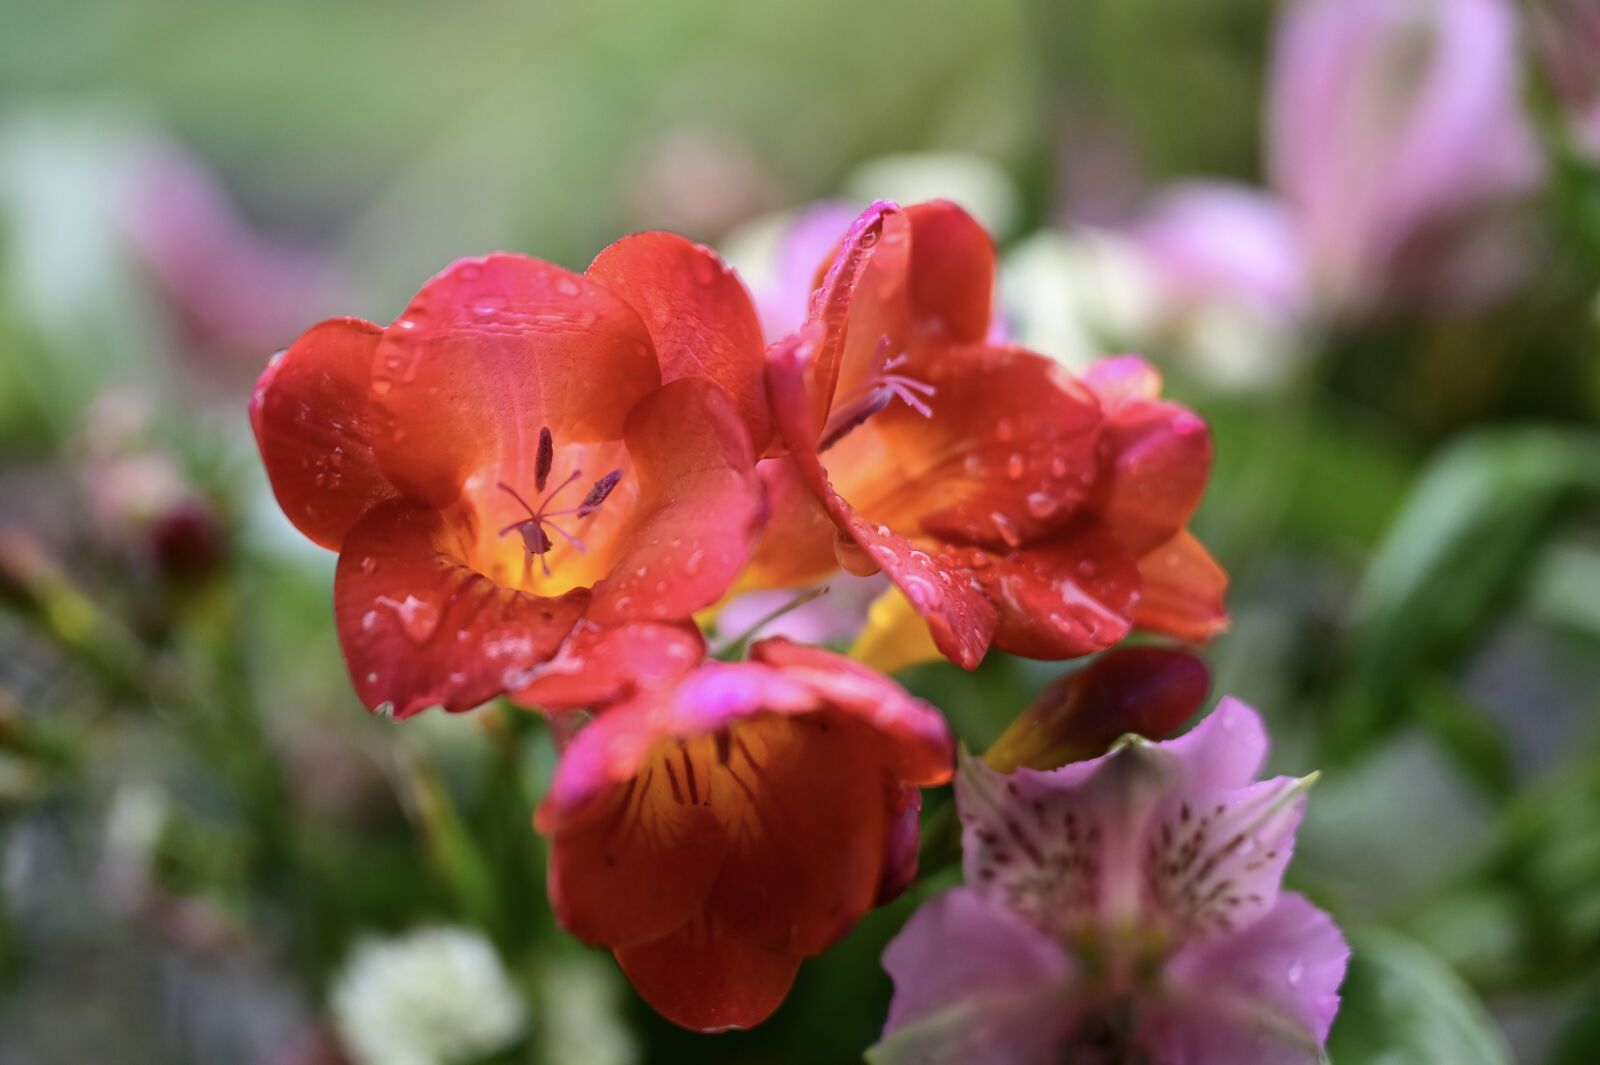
[539, 482]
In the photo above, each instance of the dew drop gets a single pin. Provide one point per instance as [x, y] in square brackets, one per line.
[1004, 431]
[567, 286]
[1041, 504]
[1016, 466]
[485, 306]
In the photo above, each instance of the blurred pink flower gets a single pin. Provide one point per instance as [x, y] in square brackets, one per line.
[233, 290]
[1125, 908]
[1567, 37]
[1214, 241]
[1394, 128]
[806, 245]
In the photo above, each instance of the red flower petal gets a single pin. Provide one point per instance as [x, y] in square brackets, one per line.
[796, 544]
[313, 419]
[491, 350]
[1159, 456]
[1006, 457]
[698, 512]
[960, 617]
[707, 979]
[913, 735]
[599, 665]
[637, 871]
[1183, 591]
[699, 314]
[421, 629]
[806, 857]
[862, 299]
[952, 272]
[1071, 595]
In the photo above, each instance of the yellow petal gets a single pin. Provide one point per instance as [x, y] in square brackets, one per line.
[895, 637]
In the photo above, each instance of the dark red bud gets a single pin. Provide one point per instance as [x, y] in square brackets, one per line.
[1150, 691]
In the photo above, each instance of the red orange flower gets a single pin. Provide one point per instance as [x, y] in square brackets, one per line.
[523, 449]
[1013, 505]
[716, 830]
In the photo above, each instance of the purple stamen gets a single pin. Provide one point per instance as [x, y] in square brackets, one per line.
[541, 463]
[535, 529]
[879, 389]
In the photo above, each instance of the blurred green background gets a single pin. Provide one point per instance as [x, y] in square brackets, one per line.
[198, 821]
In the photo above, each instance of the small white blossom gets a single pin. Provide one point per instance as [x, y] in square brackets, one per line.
[435, 996]
[581, 1022]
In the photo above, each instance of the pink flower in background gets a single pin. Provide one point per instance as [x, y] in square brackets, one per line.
[233, 289]
[805, 245]
[1214, 241]
[1567, 36]
[1395, 134]
[1123, 909]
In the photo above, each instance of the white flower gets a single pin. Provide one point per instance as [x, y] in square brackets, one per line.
[581, 1025]
[1076, 296]
[435, 996]
[979, 185]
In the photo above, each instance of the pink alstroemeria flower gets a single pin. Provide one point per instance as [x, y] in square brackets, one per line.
[1395, 134]
[1122, 909]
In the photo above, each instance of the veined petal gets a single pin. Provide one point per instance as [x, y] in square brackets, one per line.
[640, 868]
[805, 857]
[420, 628]
[700, 316]
[1063, 848]
[698, 512]
[911, 734]
[314, 422]
[490, 351]
[1215, 857]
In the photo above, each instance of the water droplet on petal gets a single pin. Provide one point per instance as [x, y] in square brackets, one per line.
[1042, 504]
[1016, 466]
[567, 286]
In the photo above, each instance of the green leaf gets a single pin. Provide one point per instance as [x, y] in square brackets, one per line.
[1403, 1006]
[1466, 536]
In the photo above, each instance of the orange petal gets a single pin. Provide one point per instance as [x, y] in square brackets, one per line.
[638, 870]
[705, 978]
[698, 512]
[491, 350]
[952, 272]
[805, 854]
[421, 629]
[700, 316]
[314, 422]
[1184, 591]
